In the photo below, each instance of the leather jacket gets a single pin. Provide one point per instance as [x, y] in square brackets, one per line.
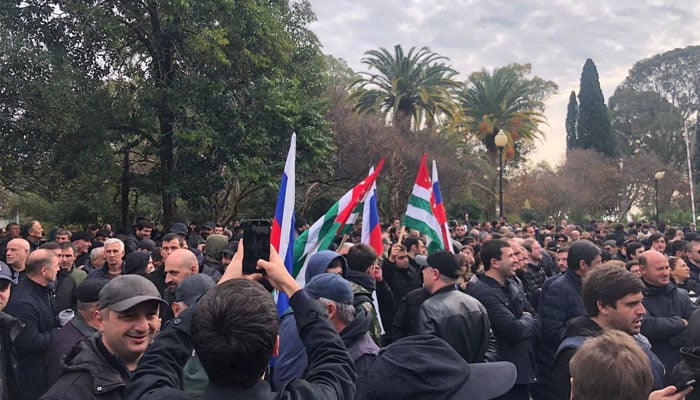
[461, 321]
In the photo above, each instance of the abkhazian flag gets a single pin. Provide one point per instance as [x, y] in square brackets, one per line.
[371, 230]
[282, 234]
[419, 213]
[439, 212]
[320, 235]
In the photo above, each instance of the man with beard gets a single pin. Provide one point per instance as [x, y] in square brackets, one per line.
[179, 265]
[613, 300]
[513, 320]
[535, 275]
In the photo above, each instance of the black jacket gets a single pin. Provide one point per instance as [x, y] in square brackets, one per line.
[401, 281]
[68, 336]
[330, 375]
[33, 305]
[9, 329]
[406, 318]
[459, 319]
[667, 307]
[361, 347]
[513, 321]
[89, 371]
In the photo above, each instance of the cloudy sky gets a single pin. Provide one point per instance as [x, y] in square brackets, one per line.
[555, 36]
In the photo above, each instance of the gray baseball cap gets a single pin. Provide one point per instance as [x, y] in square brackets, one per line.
[192, 287]
[127, 291]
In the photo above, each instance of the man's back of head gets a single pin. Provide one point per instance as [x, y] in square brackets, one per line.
[360, 257]
[610, 366]
[234, 331]
[582, 256]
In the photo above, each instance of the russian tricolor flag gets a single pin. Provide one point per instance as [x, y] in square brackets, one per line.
[439, 212]
[371, 230]
[282, 234]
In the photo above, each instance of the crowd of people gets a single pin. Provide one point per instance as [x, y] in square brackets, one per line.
[511, 311]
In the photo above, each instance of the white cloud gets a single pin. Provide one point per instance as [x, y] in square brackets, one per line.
[556, 37]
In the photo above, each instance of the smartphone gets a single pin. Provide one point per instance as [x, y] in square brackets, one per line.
[256, 243]
[685, 385]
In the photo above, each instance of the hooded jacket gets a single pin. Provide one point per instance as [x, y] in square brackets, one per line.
[89, 371]
[361, 347]
[212, 263]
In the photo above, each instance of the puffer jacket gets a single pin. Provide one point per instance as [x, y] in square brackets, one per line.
[459, 319]
[667, 307]
[89, 372]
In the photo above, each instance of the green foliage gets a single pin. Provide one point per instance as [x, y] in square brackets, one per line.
[192, 100]
[414, 88]
[593, 124]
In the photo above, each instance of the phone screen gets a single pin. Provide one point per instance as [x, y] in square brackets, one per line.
[256, 243]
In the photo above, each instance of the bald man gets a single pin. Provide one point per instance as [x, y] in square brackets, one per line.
[180, 264]
[668, 308]
[16, 256]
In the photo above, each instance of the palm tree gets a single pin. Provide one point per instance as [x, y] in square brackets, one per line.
[504, 100]
[414, 88]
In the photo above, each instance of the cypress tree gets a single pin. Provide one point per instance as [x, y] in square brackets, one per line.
[593, 125]
[571, 117]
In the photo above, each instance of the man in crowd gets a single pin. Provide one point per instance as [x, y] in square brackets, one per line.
[9, 329]
[398, 272]
[692, 259]
[62, 236]
[84, 324]
[512, 318]
[142, 230]
[455, 317]
[352, 325]
[16, 256]
[100, 366]
[32, 303]
[292, 360]
[69, 277]
[114, 261]
[82, 241]
[361, 258]
[97, 259]
[561, 301]
[535, 274]
[613, 300]
[562, 255]
[668, 308]
[235, 360]
[170, 243]
[33, 233]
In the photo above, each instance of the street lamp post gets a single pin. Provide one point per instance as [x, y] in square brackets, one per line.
[501, 140]
[657, 177]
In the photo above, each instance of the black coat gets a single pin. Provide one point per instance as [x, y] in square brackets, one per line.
[9, 329]
[89, 371]
[667, 307]
[514, 322]
[401, 281]
[330, 375]
[68, 336]
[32, 304]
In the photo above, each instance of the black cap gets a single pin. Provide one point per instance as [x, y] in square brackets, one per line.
[81, 235]
[179, 228]
[445, 262]
[146, 244]
[89, 290]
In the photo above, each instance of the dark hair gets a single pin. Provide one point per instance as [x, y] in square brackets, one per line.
[491, 249]
[143, 223]
[50, 246]
[172, 235]
[68, 245]
[631, 263]
[234, 331]
[26, 227]
[656, 236]
[678, 245]
[673, 261]
[360, 257]
[410, 241]
[632, 247]
[581, 250]
[608, 284]
[10, 225]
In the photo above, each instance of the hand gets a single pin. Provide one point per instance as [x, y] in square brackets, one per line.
[669, 393]
[277, 274]
[395, 250]
[234, 270]
[375, 271]
[685, 322]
